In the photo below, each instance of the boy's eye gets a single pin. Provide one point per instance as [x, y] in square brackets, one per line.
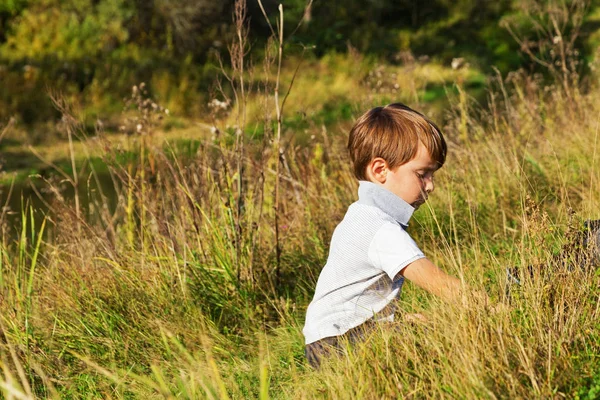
[423, 175]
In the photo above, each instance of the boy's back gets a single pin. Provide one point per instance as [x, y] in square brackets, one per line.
[368, 250]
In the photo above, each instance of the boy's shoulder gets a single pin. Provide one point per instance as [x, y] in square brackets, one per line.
[362, 221]
[372, 213]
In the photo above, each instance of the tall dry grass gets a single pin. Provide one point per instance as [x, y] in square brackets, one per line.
[195, 284]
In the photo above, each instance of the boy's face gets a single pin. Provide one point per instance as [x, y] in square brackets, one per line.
[413, 181]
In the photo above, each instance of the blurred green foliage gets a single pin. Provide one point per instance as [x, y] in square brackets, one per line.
[94, 51]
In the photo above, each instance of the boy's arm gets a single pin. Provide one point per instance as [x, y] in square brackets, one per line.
[428, 276]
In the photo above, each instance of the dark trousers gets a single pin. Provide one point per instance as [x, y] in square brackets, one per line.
[315, 352]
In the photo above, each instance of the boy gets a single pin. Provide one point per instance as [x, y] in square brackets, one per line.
[395, 152]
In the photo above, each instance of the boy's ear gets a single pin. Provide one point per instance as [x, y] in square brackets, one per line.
[377, 170]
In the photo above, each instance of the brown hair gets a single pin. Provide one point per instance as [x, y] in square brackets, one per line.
[393, 133]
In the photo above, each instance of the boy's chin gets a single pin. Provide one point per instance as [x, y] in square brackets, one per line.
[418, 204]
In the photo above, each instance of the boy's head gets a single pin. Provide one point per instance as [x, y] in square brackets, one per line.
[396, 139]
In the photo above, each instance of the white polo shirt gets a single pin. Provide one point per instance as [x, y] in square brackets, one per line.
[361, 277]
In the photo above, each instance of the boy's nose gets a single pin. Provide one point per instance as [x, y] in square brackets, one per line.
[429, 186]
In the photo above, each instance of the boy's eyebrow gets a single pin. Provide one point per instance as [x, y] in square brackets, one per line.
[430, 167]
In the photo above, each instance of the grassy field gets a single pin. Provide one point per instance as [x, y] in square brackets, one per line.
[194, 281]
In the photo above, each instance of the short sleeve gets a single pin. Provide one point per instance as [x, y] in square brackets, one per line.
[392, 249]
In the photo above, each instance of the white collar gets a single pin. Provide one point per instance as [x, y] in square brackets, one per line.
[375, 195]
